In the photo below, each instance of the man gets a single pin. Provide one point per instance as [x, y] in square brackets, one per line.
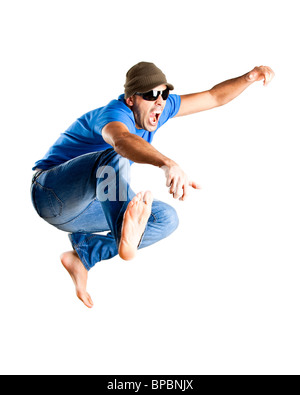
[82, 185]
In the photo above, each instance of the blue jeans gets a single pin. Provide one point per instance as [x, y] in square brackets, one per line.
[71, 197]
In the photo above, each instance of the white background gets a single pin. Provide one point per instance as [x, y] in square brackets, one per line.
[221, 295]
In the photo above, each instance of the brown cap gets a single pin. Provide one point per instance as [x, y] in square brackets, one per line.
[143, 77]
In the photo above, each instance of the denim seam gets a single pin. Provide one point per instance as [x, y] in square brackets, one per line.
[77, 216]
[49, 200]
[79, 252]
[83, 243]
[121, 213]
[155, 219]
[82, 258]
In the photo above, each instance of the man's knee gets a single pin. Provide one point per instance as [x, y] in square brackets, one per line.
[167, 215]
[173, 218]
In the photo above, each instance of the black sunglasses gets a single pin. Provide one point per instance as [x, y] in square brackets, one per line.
[154, 95]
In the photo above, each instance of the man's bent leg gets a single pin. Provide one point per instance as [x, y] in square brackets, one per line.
[113, 194]
[65, 196]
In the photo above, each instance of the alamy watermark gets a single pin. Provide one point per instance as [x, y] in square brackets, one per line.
[113, 185]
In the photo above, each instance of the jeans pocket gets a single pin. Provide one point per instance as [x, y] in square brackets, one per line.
[45, 201]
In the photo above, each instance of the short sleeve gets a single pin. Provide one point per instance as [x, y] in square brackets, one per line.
[171, 108]
[114, 112]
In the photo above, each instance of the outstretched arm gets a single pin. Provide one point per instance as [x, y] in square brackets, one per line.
[224, 92]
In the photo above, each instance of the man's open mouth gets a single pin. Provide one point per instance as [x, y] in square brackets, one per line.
[154, 117]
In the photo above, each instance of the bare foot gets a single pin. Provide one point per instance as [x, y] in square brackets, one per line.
[134, 222]
[79, 275]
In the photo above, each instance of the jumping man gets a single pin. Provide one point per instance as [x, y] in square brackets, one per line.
[82, 184]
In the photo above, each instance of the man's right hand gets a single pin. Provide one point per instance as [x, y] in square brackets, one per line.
[178, 181]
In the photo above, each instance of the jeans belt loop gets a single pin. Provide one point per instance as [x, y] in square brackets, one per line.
[36, 175]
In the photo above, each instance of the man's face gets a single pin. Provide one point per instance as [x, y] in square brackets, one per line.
[147, 113]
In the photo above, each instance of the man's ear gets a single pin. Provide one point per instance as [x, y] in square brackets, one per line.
[129, 101]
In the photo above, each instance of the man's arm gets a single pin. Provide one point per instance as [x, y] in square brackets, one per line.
[224, 92]
[131, 146]
[138, 150]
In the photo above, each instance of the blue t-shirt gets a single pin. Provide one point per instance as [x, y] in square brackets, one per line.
[85, 135]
